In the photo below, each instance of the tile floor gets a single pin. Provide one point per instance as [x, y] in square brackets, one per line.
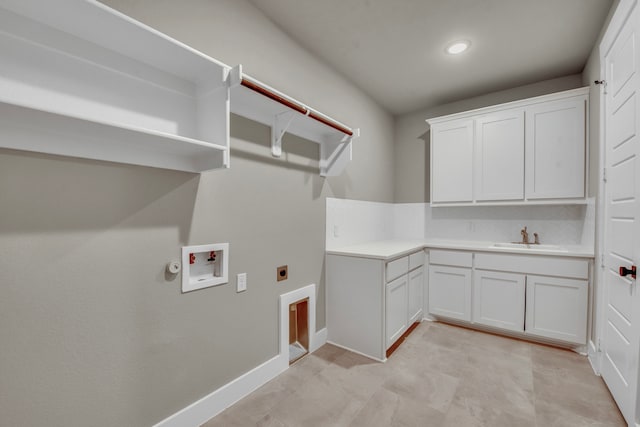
[441, 375]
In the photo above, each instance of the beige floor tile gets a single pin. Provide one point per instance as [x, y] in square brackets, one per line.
[356, 375]
[556, 414]
[590, 401]
[441, 375]
[432, 388]
[463, 413]
[318, 403]
[386, 408]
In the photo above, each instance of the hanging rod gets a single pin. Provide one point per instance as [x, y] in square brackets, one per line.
[271, 94]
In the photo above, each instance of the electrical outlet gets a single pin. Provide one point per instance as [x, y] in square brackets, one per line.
[241, 282]
[282, 273]
[336, 231]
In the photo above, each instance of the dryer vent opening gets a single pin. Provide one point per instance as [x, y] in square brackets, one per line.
[298, 329]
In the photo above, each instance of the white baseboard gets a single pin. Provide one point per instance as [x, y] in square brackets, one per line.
[594, 357]
[356, 352]
[211, 405]
[320, 339]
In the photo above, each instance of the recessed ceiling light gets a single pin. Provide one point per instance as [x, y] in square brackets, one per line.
[458, 47]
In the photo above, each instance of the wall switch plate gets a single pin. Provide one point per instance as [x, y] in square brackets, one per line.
[241, 282]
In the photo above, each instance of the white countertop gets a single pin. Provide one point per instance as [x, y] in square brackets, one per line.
[389, 249]
[382, 249]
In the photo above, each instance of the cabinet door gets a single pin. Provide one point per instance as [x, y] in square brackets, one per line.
[450, 292]
[498, 299]
[452, 161]
[396, 314]
[555, 149]
[557, 308]
[416, 290]
[499, 156]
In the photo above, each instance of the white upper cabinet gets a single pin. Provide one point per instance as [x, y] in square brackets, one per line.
[451, 175]
[531, 151]
[555, 149]
[499, 156]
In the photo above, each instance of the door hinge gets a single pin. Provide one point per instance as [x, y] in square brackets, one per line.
[602, 261]
[603, 83]
[604, 174]
[599, 347]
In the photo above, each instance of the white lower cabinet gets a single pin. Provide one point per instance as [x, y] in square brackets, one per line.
[396, 309]
[416, 294]
[535, 296]
[372, 302]
[450, 292]
[557, 308]
[498, 299]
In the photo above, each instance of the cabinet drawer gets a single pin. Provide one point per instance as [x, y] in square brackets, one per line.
[416, 260]
[458, 259]
[534, 264]
[397, 268]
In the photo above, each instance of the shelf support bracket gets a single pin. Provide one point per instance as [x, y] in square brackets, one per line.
[336, 153]
[281, 123]
[234, 76]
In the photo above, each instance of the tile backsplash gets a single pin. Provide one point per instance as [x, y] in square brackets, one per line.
[360, 221]
[555, 224]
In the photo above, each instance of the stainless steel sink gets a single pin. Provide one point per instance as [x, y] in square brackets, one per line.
[530, 247]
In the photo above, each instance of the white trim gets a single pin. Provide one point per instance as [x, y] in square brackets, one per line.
[566, 94]
[594, 357]
[598, 311]
[368, 356]
[320, 340]
[211, 405]
[289, 298]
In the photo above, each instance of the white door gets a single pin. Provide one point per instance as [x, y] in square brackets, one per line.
[450, 292]
[499, 156]
[557, 308]
[555, 149]
[621, 299]
[452, 161]
[396, 313]
[416, 289]
[498, 299]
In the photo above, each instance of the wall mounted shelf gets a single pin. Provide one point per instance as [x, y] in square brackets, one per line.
[257, 101]
[80, 79]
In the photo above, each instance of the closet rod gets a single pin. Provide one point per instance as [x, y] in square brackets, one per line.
[294, 106]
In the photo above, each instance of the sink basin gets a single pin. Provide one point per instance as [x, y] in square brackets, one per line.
[525, 247]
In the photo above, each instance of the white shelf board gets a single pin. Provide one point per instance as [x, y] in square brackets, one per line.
[92, 21]
[30, 129]
[79, 63]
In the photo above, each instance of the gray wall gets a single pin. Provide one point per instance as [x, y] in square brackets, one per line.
[412, 136]
[93, 332]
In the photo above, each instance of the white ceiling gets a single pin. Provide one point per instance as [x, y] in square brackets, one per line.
[394, 49]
